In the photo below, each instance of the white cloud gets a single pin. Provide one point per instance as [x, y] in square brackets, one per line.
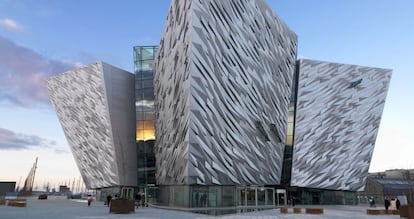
[11, 24]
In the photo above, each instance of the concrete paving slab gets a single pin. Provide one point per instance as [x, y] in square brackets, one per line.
[62, 208]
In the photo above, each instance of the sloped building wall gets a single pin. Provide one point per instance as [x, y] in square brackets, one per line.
[338, 113]
[95, 106]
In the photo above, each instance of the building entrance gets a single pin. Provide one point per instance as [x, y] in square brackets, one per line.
[255, 196]
[281, 197]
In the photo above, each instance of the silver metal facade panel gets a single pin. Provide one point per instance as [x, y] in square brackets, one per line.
[222, 86]
[120, 93]
[338, 114]
[88, 108]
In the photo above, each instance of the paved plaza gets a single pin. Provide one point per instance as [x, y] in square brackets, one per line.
[61, 208]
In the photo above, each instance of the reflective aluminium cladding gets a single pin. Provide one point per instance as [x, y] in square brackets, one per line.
[95, 106]
[223, 76]
[338, 113]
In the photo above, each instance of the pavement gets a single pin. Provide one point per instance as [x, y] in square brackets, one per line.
[62, 208]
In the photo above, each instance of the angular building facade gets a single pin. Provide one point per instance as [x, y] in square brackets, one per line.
[223, 115]
[219, 121]
[337, 116]
[95, 106]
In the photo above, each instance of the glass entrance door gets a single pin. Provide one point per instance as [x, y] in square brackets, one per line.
[247, 196]
[127, 193]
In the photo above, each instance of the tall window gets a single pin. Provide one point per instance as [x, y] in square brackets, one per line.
[144, 91]
[145, 113]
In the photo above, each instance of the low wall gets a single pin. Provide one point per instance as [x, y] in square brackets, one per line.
[121, 206]
[17, 202]
[314, 210]
[407, 212]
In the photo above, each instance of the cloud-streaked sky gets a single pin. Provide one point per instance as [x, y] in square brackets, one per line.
[16, 141]
[23, 74]
[11, 24]
[42, 38]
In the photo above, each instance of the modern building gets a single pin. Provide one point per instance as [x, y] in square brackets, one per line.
[222, 95]
[337, 110]
[224, 115]
[95, 106]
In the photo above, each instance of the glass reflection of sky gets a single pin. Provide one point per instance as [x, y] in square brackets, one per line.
[146, 104]
[144, 93]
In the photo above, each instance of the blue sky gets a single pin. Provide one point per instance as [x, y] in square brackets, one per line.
[44, 37]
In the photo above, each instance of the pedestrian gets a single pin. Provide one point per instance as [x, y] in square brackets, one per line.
[398, 204]
[143, 200]
[197, 200]
[386, 204]
[89, 200]
[371, 202]
[393, 204]
[137, 200]
[204, 200]
[108, 200]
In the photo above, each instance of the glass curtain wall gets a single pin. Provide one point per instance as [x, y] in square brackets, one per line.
[145, 113]
[288, 153]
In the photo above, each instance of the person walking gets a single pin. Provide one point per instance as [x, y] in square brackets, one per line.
[89, 200]
[137, 200]
[143, 200]
[108, 200]
[370, 202]
[398, 204]
[386, 204]
[393, 204]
